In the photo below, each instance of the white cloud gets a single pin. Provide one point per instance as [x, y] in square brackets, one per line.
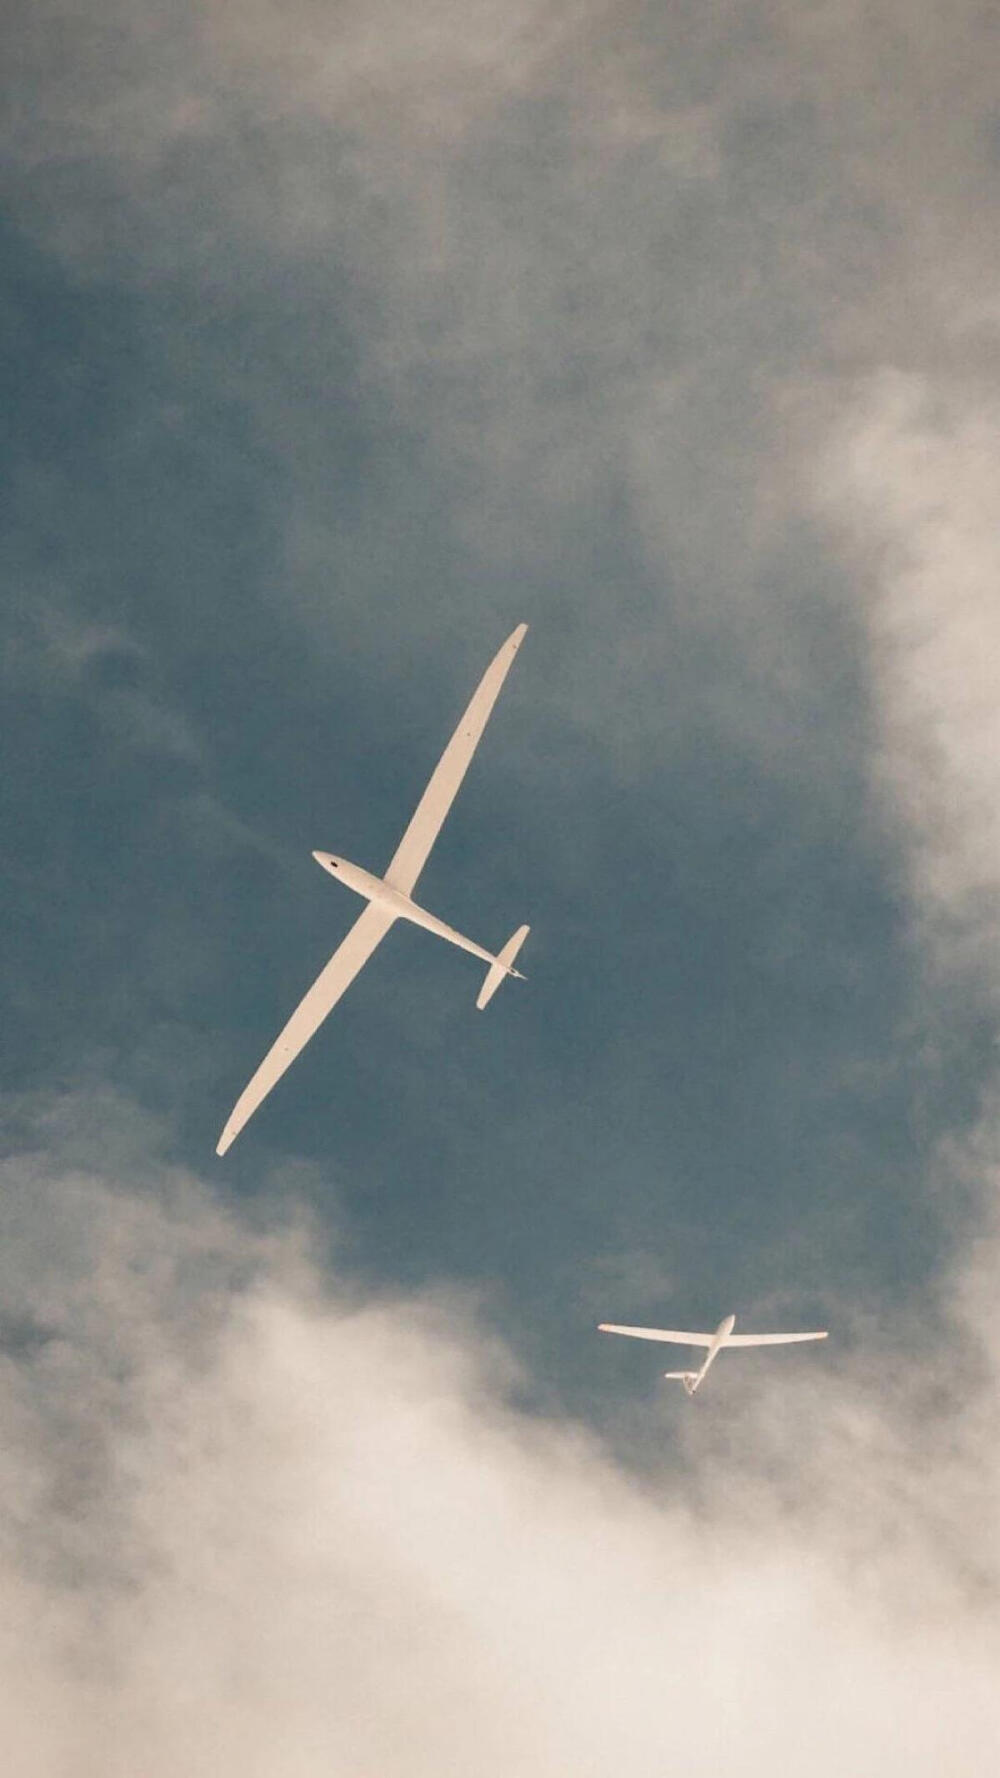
[250, 1525]
[912, 480]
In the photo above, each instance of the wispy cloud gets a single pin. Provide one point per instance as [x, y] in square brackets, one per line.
[912, 481]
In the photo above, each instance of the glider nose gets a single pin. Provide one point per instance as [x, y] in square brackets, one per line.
[327, 860]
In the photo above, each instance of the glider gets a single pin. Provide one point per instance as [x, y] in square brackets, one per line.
[723, 1336]
[389, 900]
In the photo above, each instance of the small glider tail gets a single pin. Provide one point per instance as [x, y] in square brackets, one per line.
[688, 1378]
[504, 965]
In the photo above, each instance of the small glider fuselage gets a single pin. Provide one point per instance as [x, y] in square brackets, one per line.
[394, 902]
[693, 1379]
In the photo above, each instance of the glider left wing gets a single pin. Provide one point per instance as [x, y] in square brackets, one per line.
[771, 1339]
[411, 854]
[326, 990]
[660, 1333]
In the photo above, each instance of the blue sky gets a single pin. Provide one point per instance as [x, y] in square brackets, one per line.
[718, 963]
[334, 347]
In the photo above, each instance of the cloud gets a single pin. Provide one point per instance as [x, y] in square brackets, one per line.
[253, 1524]
[911, 482]
[573, 258]
[248, 1522]
[568, 257]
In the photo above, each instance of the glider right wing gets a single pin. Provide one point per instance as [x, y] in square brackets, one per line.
[410, 855]
[326, 990]
[659, 1333]
[771, 1339]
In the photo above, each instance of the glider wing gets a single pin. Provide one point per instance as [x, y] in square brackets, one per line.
[410, 855]
[660, 1333]
[326, 990]
[771, 1339]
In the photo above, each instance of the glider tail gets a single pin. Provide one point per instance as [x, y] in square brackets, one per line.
[688, 1378]
[504, 965]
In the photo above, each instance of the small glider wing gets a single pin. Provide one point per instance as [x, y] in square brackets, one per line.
[411, 854]
[326, 990]
[659, 1333]
[771, 1339]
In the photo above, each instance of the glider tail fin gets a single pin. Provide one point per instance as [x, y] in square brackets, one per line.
[688, 1378]
[504, 965]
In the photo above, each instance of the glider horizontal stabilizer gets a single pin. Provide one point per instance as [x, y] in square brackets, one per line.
[503, 966]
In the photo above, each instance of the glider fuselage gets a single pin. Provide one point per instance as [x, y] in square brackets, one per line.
[719, 1339]
[394, 902]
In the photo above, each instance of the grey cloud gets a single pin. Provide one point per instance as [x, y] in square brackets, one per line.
[910, 481]
[576, 261]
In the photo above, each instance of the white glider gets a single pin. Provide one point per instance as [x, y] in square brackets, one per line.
[389, 900]
[723, 1336]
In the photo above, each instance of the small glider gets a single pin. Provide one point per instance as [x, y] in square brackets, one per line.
[723, 1336]
[389, 900]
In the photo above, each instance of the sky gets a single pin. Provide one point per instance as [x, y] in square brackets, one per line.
[336, 342]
